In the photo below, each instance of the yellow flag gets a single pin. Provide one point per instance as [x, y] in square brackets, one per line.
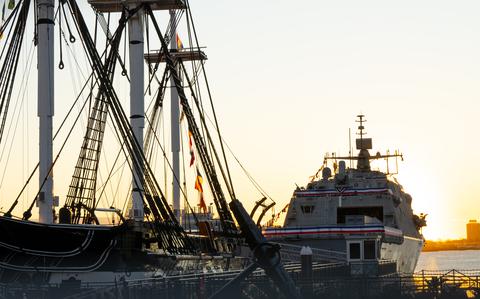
[179, 42]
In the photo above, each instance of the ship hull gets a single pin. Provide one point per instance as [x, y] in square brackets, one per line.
[52, 253]
[405, 254]
[334, 241]
[27, 246]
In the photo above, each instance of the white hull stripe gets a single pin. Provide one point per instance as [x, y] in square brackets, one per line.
[333, 230]
[347, 192]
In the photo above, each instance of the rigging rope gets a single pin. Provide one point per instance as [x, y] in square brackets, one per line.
[232, 191]
[60, 64]
[170, 234]
[23, 84]
[151, 133]
[94, 82]
[169, 34]
[72, 38]
[221, 204]
[10, 62]
[81, 195]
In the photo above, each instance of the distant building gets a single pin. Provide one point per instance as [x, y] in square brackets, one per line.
[473, 231]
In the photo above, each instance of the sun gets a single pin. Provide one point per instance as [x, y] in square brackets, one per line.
[427, 199]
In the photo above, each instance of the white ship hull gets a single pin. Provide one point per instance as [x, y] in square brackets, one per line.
[390, 245]
[406, 254]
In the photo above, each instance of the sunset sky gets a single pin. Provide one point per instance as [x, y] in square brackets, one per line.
[293, 78]
[288, 81]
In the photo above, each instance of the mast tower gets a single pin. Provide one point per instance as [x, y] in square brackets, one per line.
[137, 73]
[363, 144]
[175, 125]
[45, 60]
[137, 101]
[183, 55]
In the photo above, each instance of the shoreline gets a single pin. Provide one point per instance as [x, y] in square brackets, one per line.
[431, 246]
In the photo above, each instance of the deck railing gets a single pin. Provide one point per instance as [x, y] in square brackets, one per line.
[327, 281]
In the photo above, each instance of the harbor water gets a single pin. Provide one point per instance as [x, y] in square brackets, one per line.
[447, 260]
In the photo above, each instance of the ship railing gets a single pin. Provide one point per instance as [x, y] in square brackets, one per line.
[291, 252]
[330, 281]
[436, 280]
[166, 282]
[446, 277]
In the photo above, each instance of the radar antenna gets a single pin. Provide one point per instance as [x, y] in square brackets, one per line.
[361, 127]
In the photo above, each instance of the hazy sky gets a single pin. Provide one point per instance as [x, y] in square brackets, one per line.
[289, 80]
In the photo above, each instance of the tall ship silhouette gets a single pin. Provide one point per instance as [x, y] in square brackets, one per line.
[137, 205]
[354, 214]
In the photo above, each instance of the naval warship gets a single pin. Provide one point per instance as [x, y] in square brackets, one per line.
[359, 212]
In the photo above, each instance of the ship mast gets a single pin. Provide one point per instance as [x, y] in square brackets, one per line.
[179, 56]
[361, 127]
[363, 144]
[45, 60]
[175, 125]
[136, 65]
[137, 102]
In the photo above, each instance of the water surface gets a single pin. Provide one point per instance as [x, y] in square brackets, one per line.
[447, 260]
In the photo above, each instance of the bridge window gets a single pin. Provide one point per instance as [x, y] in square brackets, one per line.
[374, 212]
[307, 209]
[369, 250]
[354, 251]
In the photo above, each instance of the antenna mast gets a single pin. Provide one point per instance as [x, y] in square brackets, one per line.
[363, 144]
[361, 127]
[350, 145]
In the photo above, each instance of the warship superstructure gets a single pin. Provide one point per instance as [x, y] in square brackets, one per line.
[363, 213]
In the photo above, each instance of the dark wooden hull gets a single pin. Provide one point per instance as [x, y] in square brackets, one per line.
[31, 246]
[36, 252]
